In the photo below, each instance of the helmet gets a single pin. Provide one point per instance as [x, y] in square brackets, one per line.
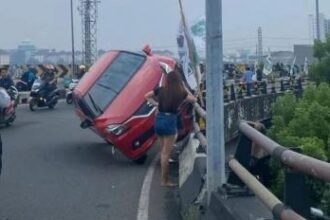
[82, 67]
[50, 67]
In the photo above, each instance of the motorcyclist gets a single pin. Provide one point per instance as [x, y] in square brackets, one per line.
[82, 71]
[49, 80]
[5, 80]
[26, 81]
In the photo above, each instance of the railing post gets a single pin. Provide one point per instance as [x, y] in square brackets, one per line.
[264, 87]
[232, 92]
[296, 193]
[273, 86]
[282, 86]
[248, 89]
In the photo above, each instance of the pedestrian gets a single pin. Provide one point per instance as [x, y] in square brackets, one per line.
[248, 80]
[168, 99]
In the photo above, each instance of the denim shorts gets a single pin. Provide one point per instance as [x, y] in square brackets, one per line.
[166, 124]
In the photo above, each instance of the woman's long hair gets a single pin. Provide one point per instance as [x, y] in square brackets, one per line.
[174, 92]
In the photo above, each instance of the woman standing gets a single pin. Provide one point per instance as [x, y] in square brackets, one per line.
[168, 99]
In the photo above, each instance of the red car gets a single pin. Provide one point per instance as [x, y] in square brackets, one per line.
[109, 99]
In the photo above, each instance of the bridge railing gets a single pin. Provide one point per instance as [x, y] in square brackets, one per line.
[257, 107]
[297, 163]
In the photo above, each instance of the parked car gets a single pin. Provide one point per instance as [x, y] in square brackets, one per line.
[109, 99]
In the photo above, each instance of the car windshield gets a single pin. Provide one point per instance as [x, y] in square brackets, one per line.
[112, 81]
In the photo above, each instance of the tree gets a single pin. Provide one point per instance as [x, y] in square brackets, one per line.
[320, 72]
[304, 123]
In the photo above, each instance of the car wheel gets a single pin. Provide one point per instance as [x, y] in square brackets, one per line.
[141, 160]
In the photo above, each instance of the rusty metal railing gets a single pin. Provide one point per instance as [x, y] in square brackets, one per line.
[299, 162]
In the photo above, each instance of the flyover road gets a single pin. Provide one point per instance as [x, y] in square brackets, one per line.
[54, 170]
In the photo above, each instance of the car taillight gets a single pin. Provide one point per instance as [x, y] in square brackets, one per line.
[117, 129]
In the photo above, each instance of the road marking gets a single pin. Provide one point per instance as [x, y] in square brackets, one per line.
[143, 210]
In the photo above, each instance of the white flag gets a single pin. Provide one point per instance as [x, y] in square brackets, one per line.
[268, 65]
[292, 67]
[188, 54]
[306, 66]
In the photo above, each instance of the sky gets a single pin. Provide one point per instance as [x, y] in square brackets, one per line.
[130, 24]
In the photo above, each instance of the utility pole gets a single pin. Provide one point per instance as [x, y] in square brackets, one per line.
[72, 42]
[214, 98]
[318, 34]
[89, 14]
[260, 46]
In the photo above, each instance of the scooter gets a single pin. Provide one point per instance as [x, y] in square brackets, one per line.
[38, 98]
[8, 104]
[69, 92]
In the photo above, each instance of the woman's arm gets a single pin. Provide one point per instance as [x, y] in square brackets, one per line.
[150, 97]
[190, 98]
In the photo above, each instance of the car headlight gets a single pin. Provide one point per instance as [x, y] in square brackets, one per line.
[117, 129]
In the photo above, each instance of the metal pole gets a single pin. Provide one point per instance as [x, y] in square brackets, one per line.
[318, 33]
[72, 42]
[214, 97]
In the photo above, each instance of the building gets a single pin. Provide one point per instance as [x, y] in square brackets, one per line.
[324, 27]
[4, 58]
[301, 52]
[284, 57]
[28, 49]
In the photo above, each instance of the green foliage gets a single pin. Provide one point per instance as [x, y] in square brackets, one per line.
[320, 72]
[325, 201]
[314, 147]
[284, 107]
[304, 123]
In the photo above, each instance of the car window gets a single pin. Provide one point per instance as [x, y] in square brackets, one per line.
[113, 80]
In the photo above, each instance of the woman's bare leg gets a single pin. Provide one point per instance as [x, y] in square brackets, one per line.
[165, 155]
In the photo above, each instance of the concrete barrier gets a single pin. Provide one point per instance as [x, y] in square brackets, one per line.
[192, 170]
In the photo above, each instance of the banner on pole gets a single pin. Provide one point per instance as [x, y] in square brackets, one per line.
[268, 65]
[188, 54]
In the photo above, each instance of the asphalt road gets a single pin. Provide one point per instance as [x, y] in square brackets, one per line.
[54, 170]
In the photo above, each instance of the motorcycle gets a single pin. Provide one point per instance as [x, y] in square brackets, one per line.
[69, 93]
[8, 104]
[38, 98]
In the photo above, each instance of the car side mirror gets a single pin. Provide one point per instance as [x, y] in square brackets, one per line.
[86, 124]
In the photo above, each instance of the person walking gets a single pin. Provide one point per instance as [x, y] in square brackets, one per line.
[168, 99]
[247, 79]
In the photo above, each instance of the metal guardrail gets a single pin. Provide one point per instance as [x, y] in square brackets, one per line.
[257, 107]
[294, 160]
[279, 210]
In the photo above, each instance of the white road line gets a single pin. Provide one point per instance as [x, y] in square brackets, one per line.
[143, 210]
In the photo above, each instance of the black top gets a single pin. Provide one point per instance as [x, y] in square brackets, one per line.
[6, 82]
[171, 107]
[48, 76]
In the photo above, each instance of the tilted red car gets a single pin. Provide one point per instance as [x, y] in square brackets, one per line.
[109, 99]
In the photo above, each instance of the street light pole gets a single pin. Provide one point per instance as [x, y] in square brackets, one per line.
[318, 34]
[72, 44]
[214, 98]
